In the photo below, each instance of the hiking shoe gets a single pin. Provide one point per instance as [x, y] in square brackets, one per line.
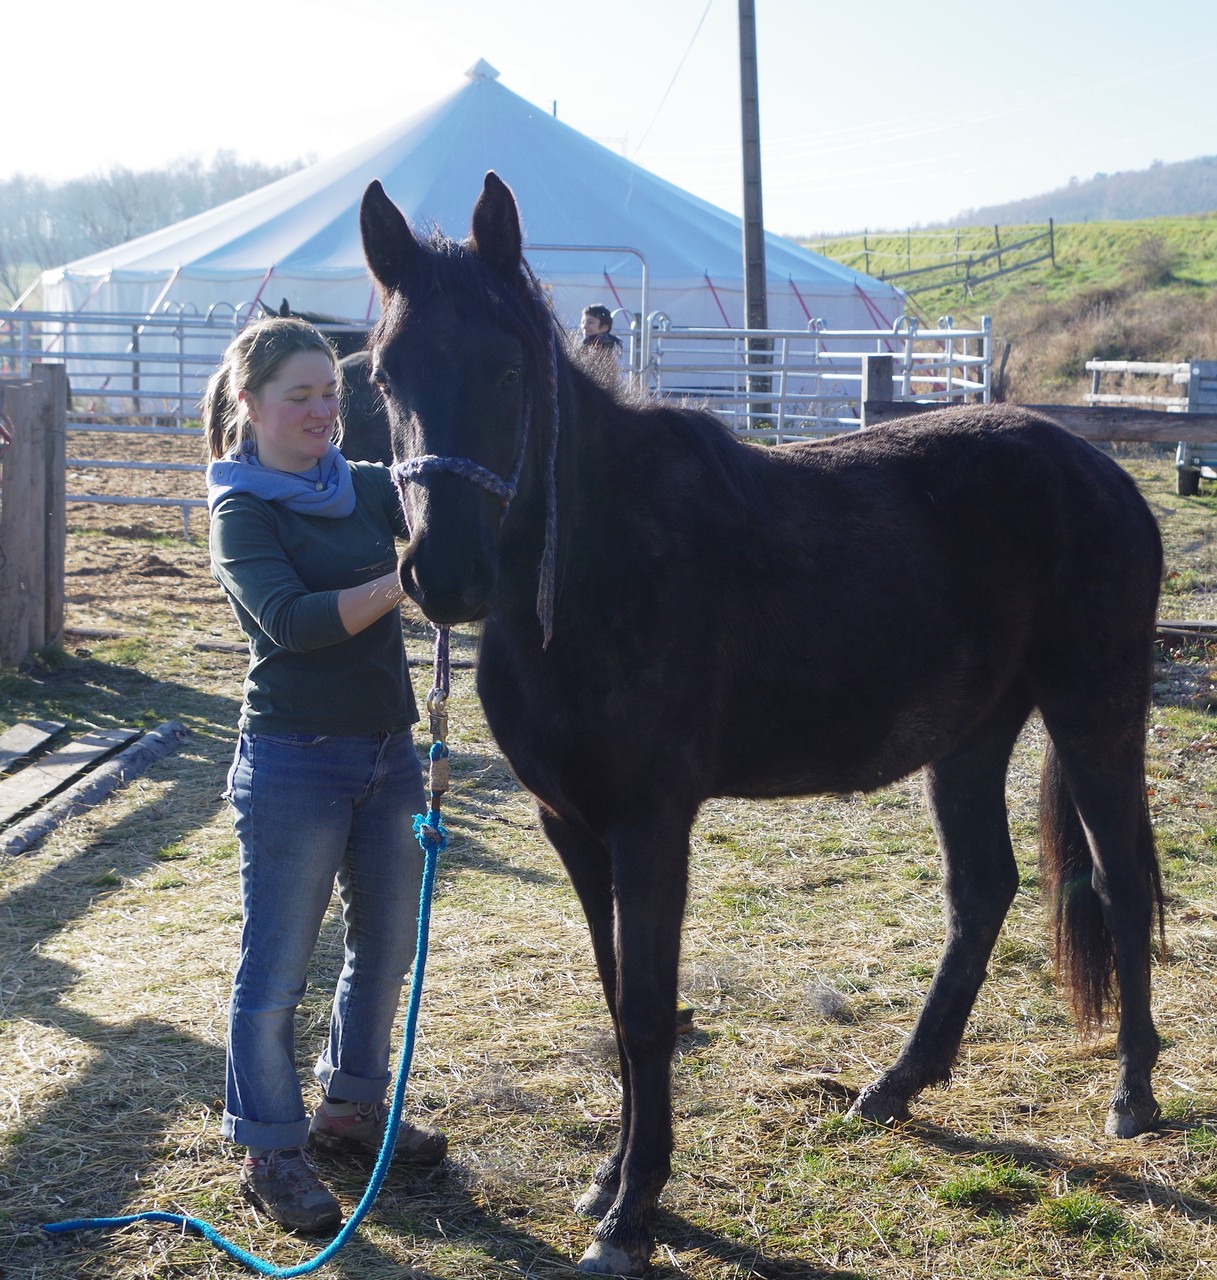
[284, 1184]
[358, 1129]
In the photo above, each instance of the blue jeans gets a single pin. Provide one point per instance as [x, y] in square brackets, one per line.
[309, 811]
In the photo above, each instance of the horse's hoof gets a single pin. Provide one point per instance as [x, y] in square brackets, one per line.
[874, 1104]
[608, 1260]
[596, 1201]
[1127, 1119]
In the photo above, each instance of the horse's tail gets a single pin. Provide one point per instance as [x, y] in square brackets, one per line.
[1083, 948]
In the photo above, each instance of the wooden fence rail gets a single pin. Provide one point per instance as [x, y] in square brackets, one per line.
[952, 266]
[998, 252]
[33, 526]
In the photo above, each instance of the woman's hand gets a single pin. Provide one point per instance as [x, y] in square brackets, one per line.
[359, 607]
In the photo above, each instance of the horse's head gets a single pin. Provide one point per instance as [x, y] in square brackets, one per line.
[461, 355]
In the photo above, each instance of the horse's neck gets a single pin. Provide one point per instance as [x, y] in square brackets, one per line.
[588, 456]
[602, 462]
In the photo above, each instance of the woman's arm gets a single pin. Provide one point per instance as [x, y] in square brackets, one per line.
[359, 607]
[249, 560]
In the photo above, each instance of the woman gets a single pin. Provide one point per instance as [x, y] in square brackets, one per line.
[325, 779]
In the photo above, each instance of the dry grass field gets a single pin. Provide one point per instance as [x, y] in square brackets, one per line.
[813, 928]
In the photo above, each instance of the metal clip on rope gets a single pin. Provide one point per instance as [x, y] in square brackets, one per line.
[429, 827]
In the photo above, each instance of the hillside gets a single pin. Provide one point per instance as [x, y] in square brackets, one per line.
[1162, 190]
[1143, 290]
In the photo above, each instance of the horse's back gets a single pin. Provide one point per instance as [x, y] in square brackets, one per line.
[927, 570]
[991, 485]
[1003, 449]
[844, 611]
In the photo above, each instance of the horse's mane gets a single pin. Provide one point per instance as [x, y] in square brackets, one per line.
[681, 430]
[520, 305]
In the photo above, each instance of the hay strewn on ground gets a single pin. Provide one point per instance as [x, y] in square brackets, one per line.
[813, 928]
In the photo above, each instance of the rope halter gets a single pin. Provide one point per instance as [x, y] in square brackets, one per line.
[413, 470]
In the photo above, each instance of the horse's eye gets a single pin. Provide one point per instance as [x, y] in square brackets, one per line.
[511, 376]
[380, 379]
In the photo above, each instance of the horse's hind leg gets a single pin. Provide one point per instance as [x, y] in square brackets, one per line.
[1097, 848]
[966, 795]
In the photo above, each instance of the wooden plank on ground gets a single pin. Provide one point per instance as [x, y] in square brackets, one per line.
[24, 738]
[39, 780]
[93, 787]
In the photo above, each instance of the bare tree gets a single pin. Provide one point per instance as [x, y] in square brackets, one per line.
[44, 224]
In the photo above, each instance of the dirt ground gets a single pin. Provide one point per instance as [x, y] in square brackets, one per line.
[166, 562]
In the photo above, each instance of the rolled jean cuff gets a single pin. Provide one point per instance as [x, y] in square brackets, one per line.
[338, 1084]
[268, 1134]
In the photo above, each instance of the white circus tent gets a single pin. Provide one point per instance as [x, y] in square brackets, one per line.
[598, 228]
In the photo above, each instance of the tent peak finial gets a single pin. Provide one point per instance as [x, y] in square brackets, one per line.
[482, 70]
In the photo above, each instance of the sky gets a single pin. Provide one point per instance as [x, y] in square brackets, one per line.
[883, 115]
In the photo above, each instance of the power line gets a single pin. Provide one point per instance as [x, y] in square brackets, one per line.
[679, 66]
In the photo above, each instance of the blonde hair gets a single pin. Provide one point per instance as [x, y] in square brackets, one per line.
[252, 359]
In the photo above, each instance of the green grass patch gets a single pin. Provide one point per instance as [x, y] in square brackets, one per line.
[993, 1185]
[1085, 1215]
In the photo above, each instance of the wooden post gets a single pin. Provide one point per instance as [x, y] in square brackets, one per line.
[997, 244]
[53, 379]
[877, 372]
[34, 501]
[1202, 387]
[756, 302]
[33, 526]
[18, 536]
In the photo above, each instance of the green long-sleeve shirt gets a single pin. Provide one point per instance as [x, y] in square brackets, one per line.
[282, 573]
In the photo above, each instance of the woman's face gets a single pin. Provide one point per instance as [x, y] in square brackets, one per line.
[293, 414]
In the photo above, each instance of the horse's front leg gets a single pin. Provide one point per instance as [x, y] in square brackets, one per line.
[650, 878]
[588, 863]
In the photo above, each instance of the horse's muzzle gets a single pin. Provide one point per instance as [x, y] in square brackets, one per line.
[446, 598]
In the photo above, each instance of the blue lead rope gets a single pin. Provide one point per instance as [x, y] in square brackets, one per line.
[432, 835]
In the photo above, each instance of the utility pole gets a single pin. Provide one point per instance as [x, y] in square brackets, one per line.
[756, 307]
[756, 310]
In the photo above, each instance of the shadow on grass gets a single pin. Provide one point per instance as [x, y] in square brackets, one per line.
[88, 692]
[105, 1136]
[145, 1106]
[756, 1264]
[442, 1208]
[1103, 1178]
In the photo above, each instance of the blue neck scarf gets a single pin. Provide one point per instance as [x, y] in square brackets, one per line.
[323, 490]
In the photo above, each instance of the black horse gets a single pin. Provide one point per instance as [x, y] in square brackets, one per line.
[672, 614]
[345, 336]
[365, 424]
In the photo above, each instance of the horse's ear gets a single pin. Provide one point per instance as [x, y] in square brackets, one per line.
[389, 245]
[284, 310]
[496, 228]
